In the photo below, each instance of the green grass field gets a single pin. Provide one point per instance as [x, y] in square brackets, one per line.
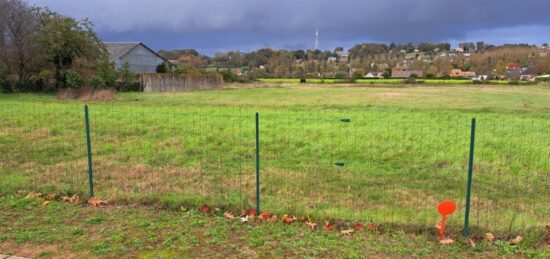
[390, 81]
[404, 150]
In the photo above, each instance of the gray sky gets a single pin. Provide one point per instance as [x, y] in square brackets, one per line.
[219, 25]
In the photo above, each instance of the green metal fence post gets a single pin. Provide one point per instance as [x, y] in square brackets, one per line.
[257, 163]
[89, 146]
[470, 174]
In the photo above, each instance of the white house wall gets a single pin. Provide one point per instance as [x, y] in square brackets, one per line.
[141, 60]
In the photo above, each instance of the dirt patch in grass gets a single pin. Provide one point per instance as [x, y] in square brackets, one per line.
[29, 250]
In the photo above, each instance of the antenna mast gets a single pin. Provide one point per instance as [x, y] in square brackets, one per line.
[317, 38]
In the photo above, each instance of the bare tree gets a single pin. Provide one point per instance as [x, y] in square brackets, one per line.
[19, 25]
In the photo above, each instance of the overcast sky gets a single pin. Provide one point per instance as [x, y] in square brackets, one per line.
[219, 25]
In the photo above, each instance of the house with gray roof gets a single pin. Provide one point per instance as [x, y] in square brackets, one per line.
[140, 57]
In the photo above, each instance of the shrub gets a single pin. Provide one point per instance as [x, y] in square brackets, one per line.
[5, 84]
[358, 74]
[128, 87]
[97, 82]
[303, 80]
[47, 80]
[430, 75]
[228, 76]
[161, 68]
[127, 79]
[73, 80]
[340, 75]
[107, 72]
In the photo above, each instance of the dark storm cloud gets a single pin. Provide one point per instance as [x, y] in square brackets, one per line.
[211, 25]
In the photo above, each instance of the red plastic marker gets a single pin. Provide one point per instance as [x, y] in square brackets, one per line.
[445, 208]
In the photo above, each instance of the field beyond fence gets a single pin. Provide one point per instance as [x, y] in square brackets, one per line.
[362, 165]
[394, 81]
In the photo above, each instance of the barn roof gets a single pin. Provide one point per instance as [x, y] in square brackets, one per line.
[120, 49]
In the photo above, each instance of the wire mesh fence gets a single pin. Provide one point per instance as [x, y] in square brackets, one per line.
[360, 165]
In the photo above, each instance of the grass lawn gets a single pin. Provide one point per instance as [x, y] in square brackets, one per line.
[390, 81]
[64, 230]
[400, 151]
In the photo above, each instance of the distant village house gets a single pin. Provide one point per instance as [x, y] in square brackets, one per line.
[458, 73]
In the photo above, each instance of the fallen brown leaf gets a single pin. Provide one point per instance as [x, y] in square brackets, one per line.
[490, 237]
[288, 219]
[94, 201]
[50, 197]
[45, 203]
[446, 241]
[71, 199]
[251, 212]
[347, 232]
[472, 243]
[273, 218]
[229, 215]
[265, 215]
[372, 227]
[205, 208]
[516, 240]
[328, 226]
[358, 226]
[312, 225]
[33, 195]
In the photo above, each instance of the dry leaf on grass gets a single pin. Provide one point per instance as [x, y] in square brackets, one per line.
[272, 219]
[516, 240]
[472, 243]
[229, 215]
[446, 241]
[94, 201]
[244, 219]
[251, 212]
[33, 195]
[71, 199]
[358, 226]
[45, 203]
[372, 227]
[265, 215]
[50, 197]
[328, 226]
[490, 237]
[312, 225]
[288, 219]
[205, 208]
[347, 232]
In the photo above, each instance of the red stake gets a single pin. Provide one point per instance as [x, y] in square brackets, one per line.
[445, 208]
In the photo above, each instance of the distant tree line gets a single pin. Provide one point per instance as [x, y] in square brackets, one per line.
[371, 57]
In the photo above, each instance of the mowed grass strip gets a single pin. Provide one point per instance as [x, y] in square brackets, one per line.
[403, 151]
[68, 230]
